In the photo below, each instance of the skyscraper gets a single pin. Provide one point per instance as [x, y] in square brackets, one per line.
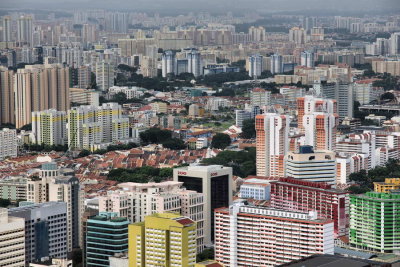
[8, 143]
[194, 62]
[106, 235]
[216, 183]
[25, 30]
[7, 114]
[255, 66]
[163, 239]
[260, 97]
[49, 127]
[297, 35]
[168, 63]
[276, 64]
[307, 59]
[104, 75]
[40, 87]
[6, 29]
[272, 143]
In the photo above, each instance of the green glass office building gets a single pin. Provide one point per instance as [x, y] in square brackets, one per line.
[106, 235]
[375, 222]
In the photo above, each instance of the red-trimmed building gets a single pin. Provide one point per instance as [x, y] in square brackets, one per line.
[303, 196]
[258, 236]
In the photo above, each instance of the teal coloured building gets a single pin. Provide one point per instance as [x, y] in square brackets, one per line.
[106, 235]
[375, 222]
[13, 188]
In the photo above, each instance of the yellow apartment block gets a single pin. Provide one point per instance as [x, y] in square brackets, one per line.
[389, 184]
[163, 239]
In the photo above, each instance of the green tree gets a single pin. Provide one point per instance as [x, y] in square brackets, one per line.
[248, 129]
[84, 153]
[155, 136]
[174, 144]
[221, 141]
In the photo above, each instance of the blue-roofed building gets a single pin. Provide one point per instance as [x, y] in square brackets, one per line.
[106, 235]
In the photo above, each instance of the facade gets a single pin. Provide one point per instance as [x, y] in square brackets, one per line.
[136, 200]
[8, 143]
[60, 185]
[260, 97]
[163, 239]
[49, 127]
[41, 222]
[13, 188]
[256, 236]
[12, 240]
[255, 66]
[307, 59]
[241, 115]
[7, 114]
[40, 87]
[294, 195]
[310, 165]
[258, 189]
[104, 75]
[272, 143]
[107, 235]
[374, 222]
[389, 184]
[84, 96]
[215, 183]
[25, 30]
[342, 92]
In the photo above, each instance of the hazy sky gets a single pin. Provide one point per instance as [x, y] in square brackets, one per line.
[201, 5]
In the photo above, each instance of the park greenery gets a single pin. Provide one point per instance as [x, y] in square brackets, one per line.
[242, 162]
[364, 181]
[140, 175]
[164, 137]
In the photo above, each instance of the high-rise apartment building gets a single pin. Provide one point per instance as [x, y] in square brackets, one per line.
[6, 22]
[12, 241]
[276, 64]
[307, 59]
[272, 143]
[215, 183]
[104, 75]
[7, 113]
[57, 184]
[321, 128]
[257, 34]
[257, 236]
[163, 239]
[168, 63]
[294, 195]
[40, 87]
[310, 165]
[342, 92]
[49, 127]
[8, 143]
[45, 231]
[298, 35]
[260, 97]
[107, 235]
[89, 126]
[255, 66]
[374, 221]
[25, 30]
[194, 62]
[135, 201]
[84, 77]
[84, 96]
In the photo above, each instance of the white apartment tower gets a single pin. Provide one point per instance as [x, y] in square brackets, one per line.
[255, 66]
[8, 143]
[104, 75]
[272, 141]
[49, 127]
